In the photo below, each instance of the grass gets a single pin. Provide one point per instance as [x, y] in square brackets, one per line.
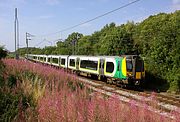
[50, 94]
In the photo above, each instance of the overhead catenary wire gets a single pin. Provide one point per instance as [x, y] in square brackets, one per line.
[87, 21]
[42, 42]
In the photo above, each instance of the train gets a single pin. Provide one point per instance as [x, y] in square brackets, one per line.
[125, 69]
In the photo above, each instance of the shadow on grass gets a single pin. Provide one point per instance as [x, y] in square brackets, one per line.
[155, 83]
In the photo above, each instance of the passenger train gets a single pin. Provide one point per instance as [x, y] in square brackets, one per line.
[127, 69]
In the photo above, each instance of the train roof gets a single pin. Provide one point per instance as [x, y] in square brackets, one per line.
[73, 56]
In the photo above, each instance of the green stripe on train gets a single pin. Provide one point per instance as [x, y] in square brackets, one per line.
[119, 73]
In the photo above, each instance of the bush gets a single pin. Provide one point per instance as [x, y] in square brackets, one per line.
[174, 77]
[2, 66]
[3, 53]
[12, 81]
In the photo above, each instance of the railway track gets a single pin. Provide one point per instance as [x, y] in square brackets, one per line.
[158, 103]
[143, 93]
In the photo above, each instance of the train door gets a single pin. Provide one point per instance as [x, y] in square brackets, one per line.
[77, 63]
[121, 68]
[101, 67]
[118, 73]
[59, 61]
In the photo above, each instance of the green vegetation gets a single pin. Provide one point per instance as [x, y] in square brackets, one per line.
[3, 52]
[32, 50]
[13, 100]
[156, 39]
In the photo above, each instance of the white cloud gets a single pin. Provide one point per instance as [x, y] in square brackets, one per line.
[176, 4]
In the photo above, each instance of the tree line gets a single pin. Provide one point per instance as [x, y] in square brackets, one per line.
[156, 39]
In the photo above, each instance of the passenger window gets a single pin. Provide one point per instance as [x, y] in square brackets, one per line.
[49, 59]
[62, 61]
[55, 60]
[89, 64]
[109, 67]
[72, 62]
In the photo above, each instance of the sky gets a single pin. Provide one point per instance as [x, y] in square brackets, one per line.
[43, 17]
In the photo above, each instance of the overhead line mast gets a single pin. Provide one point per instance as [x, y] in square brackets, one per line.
[16, 32]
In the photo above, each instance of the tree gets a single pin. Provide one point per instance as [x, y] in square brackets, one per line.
[116, 40]
[3, 52]
[85, 46]
[72, 41]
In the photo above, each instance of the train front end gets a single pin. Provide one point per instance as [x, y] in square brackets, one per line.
[135, 69]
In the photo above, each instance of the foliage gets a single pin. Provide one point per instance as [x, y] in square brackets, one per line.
[13, 102]
[8, 106]
[158, 40]
[31, 50]
[116, 40]
[3, 52]
[2, 68]
[70, 45]
[86, 46]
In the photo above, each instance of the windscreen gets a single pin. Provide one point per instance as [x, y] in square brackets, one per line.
[129, 65]
[139, 65]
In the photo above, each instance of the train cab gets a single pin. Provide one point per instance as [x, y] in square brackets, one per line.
[135, 69]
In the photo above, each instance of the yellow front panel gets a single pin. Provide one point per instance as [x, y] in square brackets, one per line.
[138, 75]
[124, 67]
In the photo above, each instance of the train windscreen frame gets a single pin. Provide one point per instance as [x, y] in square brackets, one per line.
[139, 65]
[129, 65]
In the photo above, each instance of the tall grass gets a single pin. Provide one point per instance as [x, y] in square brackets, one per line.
[59, 96]
[67, 105]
